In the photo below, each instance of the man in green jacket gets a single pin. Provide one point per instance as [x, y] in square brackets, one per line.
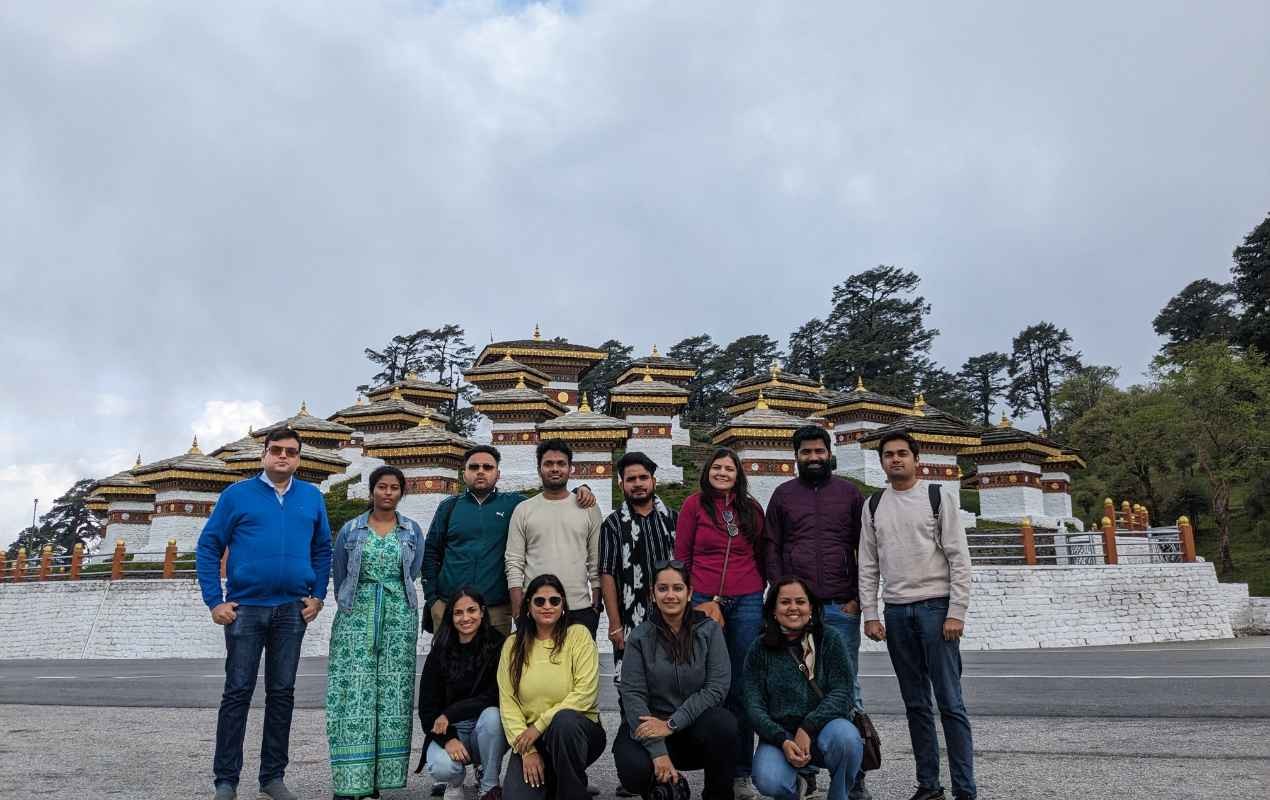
[468, 537]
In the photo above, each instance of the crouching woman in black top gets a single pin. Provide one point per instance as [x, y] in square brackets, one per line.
[458, 699]
[675, 676]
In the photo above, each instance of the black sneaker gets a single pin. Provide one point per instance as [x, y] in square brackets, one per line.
[923, 793]
[622, 791]
[809, 785]
[438, 789]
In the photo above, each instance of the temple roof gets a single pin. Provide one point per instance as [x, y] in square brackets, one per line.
[934, 429]
[584, 419]
[304, 422]
[776, 377]
[194, 461]
[395, 404]
[412, 382]
[1007, 438]
[1069, 458]
[419, 436]
[839, 401]
[505, 366]
[121, 480]
[518, 394]
[246, 443]
[759, 419]
[649, 388]
[538, 346]
[317, 455]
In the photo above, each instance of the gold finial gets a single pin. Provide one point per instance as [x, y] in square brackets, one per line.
[412, 376]
[1183, 521]
[761, 405]
[775, 369]
[859, 383]
[426, 420]
[1027, 522]
[1106, 521]
[655, 353]
[507, 355]
[520, 381]
[1124, 505]
[250, 432]
[585, 406]
[1107, 501]
[919, 404]
[304, 409]
[134, 466]
[648, 374]
[537, 333]
[396, 394]
[1005, 422]
[194, 451]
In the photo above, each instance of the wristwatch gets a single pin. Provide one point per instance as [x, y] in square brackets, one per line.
[670, 723]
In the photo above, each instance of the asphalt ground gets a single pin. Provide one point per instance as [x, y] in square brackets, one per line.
[1150, 721]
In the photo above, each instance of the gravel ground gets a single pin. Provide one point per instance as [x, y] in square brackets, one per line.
[69, 752]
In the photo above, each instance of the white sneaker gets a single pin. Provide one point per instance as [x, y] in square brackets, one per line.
[453, 792]
[743, 789]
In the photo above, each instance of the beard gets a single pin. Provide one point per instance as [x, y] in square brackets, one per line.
[550, 483]
[814, 470]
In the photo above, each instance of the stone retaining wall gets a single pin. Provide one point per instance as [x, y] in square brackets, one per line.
[1011, 607]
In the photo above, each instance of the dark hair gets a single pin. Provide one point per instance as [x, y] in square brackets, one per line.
[380, 472]
[772, 635]
[558, 445]
[809, 432]
[897, 435]
[447, 636]
[281, 435]
[749, 513]
[678, 644]
[526, 629]
[635, 458]
[483, 448]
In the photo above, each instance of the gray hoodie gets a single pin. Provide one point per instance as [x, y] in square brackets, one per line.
[653, 685]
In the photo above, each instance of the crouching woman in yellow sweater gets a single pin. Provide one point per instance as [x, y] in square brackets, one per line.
[548, 698]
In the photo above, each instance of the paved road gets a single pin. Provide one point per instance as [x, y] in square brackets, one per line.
[1229, 679]
[1182, 721]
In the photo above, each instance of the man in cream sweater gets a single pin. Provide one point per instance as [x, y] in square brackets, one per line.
[550, 533]
[911, 536]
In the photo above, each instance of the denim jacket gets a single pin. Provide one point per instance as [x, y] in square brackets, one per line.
[347, 557]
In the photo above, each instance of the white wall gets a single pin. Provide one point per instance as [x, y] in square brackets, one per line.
[1010, 608]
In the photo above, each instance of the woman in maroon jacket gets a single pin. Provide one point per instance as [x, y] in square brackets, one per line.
[719, 537]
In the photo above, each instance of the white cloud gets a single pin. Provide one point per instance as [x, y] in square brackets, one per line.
[20, 484]
[226, 420]
[111, 405]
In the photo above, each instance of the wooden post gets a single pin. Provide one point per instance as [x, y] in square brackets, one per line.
[1029, 542]
[1109, 542]
[1146, 518]
[4, 566]
[169, 559]
[46, 559]
[1108, 510]
[116, 563]
[1126, 512]
[19, 566]
[1187, 536]
[77, 559]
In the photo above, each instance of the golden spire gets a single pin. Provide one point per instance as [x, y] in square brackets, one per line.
[537, 333]
[134, 466]
[655, 353]
[761, 405]
[194, 451]
[918, 404]
[1005, 422]
[426, 420]
[396, 394]
[520, 381]
[648, 374]
[412, 376]
[507, 354]
[775, 369]
[250, 432]
[859, 383]
[304, 409]
[585, 407]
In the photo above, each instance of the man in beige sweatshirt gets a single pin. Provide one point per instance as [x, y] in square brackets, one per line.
[549, 533]
[912, 538]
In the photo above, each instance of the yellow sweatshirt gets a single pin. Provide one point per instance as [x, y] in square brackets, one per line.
[573, 682]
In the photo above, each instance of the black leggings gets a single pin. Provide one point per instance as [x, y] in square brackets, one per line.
[571, 743]
[693, 747]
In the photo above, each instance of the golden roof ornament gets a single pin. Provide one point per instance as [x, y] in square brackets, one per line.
[396, 393]
[655, 353]
[918, 404]
[648, 374]
[412, 376]
[585, 406]
[520, 381]
[859, 383]
[537, 333]
[250, 432]
[1005, 422]
[761, 405]
[194, 451]
[304, 409]
[775, 369]
[134, 466]
[507, 355]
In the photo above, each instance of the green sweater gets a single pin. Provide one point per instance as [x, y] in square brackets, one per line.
[465, 545]
[779, 700]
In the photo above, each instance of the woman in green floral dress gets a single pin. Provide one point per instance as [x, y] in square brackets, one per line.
[371, 674]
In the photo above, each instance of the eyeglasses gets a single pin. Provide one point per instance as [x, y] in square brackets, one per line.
[554, 600]
[277, 450]
[669, 563]
[729, 519]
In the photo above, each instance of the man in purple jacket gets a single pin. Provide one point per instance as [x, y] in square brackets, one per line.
[813, 531]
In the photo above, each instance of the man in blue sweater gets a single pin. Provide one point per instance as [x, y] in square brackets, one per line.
[279, 543]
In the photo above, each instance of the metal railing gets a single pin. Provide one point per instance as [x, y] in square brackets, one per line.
[79, 566]
[1110, 545]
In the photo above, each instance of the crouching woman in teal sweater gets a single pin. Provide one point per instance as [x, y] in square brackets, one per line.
[799, 687]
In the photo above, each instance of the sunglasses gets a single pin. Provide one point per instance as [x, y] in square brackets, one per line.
[554, 600]
[277, 450]
[729, 519]
[669, 563]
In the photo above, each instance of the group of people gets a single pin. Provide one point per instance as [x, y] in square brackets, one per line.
[728, 622]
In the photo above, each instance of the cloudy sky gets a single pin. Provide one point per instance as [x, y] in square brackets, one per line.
[207, 210]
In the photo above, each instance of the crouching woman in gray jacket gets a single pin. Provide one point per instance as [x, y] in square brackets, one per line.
[675, 675]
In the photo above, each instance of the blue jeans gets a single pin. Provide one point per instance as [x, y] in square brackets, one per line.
[486, 744]
[924, 660]
[744, 617]
[849, 626]
[838, 748]
[277, 632]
